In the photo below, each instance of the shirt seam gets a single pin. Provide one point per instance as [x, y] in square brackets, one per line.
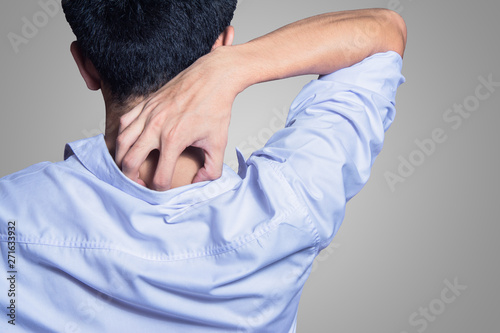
[242, 241]
[276, 167]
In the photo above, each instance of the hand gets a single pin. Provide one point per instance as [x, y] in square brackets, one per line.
[193, 109]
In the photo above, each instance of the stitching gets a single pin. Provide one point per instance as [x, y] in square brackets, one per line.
[240, 242]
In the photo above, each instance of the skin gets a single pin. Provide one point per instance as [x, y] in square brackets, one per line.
[176, 117]
[191, 159]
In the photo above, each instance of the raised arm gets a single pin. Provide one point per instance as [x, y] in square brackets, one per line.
[319, 45]
[194, 108]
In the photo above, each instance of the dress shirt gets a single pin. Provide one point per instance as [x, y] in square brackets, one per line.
[96, 252]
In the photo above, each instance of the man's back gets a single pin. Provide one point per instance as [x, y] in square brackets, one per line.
[98, 252]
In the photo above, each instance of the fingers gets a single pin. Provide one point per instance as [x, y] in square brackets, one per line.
[131, 127]
[141, 131]
[131, 115]
[169, 155]
[212, 169]
[137, 154]
[183, 113]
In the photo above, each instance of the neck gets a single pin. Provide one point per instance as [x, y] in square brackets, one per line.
[188, 164]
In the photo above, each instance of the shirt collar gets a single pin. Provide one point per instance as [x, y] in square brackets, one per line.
[93, 154]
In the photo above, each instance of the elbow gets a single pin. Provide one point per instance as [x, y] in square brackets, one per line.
[397, 39]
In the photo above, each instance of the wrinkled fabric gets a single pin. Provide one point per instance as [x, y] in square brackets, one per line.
[96, 252]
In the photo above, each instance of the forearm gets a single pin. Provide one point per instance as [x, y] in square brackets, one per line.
[318, 45]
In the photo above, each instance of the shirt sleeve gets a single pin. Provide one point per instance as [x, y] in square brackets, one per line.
[334, 131]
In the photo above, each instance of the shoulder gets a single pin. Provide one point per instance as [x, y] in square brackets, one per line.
[35, 186]
[38, 173]
[29, 171]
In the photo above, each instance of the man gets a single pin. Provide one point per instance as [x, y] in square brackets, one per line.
[98, 252]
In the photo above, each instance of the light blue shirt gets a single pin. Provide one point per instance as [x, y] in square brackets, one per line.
[96, 252]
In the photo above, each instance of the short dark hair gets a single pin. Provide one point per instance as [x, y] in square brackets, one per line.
[137, 46]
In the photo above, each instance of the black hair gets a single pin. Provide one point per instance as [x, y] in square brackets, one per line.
[137, 46]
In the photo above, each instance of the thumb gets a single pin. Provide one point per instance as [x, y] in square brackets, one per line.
[212, 169]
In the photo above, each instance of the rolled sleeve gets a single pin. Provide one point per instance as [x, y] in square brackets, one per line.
[334, 131]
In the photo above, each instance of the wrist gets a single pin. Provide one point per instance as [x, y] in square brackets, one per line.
[243, 65]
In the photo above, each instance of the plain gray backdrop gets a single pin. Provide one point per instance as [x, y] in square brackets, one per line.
[403, 241]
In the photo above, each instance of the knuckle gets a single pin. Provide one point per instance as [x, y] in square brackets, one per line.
[156, 121]
[214, 173]
[124, 121]
[160, 184]
[128, 163]
[154, 125]
[172, 135]
[121, 140]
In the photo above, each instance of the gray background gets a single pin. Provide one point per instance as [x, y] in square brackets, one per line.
[397, 246]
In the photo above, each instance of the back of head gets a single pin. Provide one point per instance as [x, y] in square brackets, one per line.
[139, 45]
